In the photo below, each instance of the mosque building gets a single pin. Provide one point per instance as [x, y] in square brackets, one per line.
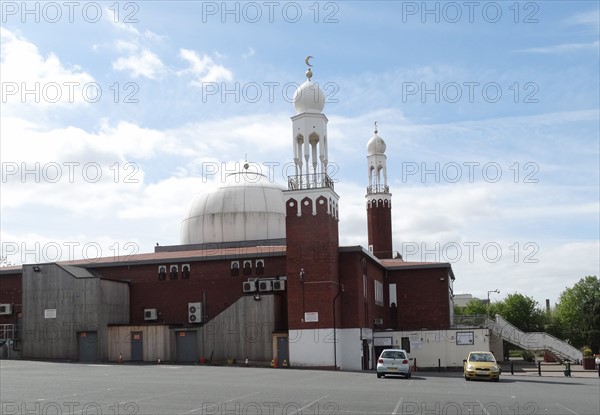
[259, 275]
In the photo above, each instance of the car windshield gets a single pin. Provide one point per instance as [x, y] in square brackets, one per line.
[481, 357]
[393, 355]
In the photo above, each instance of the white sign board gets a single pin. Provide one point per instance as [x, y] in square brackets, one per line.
[382, 341]
[366, 334]
[50, 313]
[312, 317]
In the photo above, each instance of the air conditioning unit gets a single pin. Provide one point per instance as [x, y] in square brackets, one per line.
[265, 285]
[278, 285]
[249, 287]
[150, 314]
[378, 321]
[195, 312]
[5, 309]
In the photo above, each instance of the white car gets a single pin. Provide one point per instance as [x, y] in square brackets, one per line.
[393, 362]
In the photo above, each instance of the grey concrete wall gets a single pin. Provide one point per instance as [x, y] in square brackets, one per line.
[243, 330]
[82, 303]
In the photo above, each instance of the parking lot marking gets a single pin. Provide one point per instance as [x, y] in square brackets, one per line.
[567, 409]
[397, 406]
[219, 403]
[483, 408]
[312, 403]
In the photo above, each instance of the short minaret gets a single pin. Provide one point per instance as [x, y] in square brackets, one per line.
[379, 200]
[311, 235]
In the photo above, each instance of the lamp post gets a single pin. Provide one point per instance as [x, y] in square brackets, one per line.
[497, 291]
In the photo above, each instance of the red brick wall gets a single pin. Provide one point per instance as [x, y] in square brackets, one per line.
[171, 297]
[358, 311]
[11, 293]
[379, 228]
[312, 245]
[423, 299]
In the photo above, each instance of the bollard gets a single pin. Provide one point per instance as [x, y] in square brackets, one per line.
[540, 368]
[439, 365]
[512, 368]
[568, 369]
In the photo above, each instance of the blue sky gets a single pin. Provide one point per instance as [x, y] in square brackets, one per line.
[498, 101]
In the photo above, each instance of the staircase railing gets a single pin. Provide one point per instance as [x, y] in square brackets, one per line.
[526, 340]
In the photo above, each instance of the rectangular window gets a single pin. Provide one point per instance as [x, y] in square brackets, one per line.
[393, 294]
[378, 289]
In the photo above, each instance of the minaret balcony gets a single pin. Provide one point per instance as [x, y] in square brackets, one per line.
[379, 188]
[310, 181]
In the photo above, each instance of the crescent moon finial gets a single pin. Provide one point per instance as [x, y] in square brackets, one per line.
[375, 127]
[307, 60]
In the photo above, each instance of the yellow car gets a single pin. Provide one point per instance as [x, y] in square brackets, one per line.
[481, 365]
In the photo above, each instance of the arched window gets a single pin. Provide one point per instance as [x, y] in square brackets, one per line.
[247, 267]
[235, 268]
[173, 271]
[162, 272]
[260, 267]
[185, 272]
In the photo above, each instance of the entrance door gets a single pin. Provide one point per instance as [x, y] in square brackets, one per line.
[366, 358]
[88, 346]
[137, 346]
[187, 346]
[283, 352]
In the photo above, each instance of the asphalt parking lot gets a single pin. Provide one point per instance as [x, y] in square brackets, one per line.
[28, 387]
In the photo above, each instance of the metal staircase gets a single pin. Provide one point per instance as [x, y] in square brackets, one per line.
[533, 340]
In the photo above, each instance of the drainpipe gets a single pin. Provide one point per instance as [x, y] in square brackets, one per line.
[340, 289]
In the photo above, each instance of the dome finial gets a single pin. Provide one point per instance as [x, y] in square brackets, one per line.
[375, 127]
[308, 70]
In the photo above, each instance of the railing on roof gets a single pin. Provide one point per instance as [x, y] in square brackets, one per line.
[310, 181]
[378, 188]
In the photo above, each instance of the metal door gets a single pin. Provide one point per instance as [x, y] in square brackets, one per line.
[137, 346]
[187, 346]
[282, 351]
[88, 346]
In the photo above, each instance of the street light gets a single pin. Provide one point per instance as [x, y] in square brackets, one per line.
[497, 291]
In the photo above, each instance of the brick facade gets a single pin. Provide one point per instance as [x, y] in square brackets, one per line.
[379, 226]
[312, 246]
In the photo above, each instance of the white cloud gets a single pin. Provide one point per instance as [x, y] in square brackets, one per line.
[251, 52]
[591, 17]
[203, 68]
[565, 48]
[143, 63]
[24, 68]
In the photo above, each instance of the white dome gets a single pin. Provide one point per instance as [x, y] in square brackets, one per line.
[246, 207]
[376, 145]
[309, 98]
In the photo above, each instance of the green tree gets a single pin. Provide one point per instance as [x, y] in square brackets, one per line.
[578, 313]
[521, 311]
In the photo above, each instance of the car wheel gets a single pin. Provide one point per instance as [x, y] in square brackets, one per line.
[497, 379]
[379, 375]
[467, 378]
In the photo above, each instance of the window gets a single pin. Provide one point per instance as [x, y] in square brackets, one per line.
[378, 289]
[393, 294]
[185, 271]
[365, 286]
[173, 271]
[247, 267]
[260, 267]
[162, 272]
[235, 268]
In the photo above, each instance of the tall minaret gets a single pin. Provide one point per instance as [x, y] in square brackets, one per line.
[379, 200]
[311, 234]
